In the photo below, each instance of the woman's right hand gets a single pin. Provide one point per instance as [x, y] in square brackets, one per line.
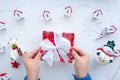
[81, 62]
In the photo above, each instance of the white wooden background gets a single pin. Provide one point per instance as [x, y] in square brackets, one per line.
[29, 34]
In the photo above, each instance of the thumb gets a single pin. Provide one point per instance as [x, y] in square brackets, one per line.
[38, 56]
[75, 55]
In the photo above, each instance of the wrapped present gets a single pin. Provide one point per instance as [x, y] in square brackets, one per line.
[57, 47]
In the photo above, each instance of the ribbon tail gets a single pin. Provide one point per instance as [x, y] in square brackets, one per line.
[48, 57]
[56, 56]
[63, 55]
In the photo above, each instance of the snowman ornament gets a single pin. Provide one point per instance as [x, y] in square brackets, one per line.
[107, 53]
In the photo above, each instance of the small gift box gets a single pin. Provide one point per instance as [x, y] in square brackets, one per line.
[56, 47]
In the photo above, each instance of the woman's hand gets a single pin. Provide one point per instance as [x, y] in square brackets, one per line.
[31, 62]
[81, 62]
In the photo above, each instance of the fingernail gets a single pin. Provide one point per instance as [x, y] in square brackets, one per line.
[71, 49]
[41, 50]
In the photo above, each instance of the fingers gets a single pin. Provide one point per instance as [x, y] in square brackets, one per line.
[33, 53]
[75, 55]
[38, 56]
[79, 51]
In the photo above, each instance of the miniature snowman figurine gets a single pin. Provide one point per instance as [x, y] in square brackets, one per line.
[4, 76]
[97, 14]
[102, 57]
[18, 14]
[68, 11]
[47, 15]
[106, 31]
[106, 54]
[2, 26]
[2, 48]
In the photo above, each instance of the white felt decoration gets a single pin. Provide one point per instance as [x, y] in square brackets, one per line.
[68, 11]
[111, 29]
[47, 15]
[2, 26]
[107, 30]
[97, 14]
[18, 14]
